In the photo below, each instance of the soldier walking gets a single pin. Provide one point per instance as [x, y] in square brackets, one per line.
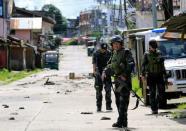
[120, 68]
[100, 60]
[153, 68]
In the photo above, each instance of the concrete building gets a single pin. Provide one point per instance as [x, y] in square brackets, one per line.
[29, 25]
[101, 19]
[85, 22]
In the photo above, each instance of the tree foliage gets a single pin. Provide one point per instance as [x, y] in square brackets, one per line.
[53, 12]
[96, 34]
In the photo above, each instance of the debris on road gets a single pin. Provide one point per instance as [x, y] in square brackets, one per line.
[11, 118]
[21, 108]
[67, 91]
[14, 113]
[71, 75]
[5, 106]
[47, 102]
[49, 82]
[86, 113]
[105, 118]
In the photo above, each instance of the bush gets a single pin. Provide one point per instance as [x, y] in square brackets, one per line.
[71, 42]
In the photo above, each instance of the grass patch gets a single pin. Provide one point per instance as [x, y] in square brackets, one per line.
[135, 86]
[179, 115]
[7, 77]
[176, 115]
[182, 106]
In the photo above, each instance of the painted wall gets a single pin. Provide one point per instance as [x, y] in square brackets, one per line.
[3, 27]
[3, 57]
[47, 28]
[23, 34]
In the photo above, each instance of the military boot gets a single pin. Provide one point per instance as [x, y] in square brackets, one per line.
[98, 109]
[117, 125]
[109, 107]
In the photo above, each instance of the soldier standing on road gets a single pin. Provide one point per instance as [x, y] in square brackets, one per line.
[120, 68]
[100, 60]
[153, 68]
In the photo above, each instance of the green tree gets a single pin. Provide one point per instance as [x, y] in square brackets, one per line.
[117, 32]
[96, 34]
[53, 12]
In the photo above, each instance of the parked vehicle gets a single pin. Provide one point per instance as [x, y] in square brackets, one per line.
[51, 60]
[90, 50]
[91, 43]
[174, 52]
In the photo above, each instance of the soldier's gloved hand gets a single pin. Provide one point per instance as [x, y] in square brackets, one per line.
[123, 78]
[103, 76]
[94, 73]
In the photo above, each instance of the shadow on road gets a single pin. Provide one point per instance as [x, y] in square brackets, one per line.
[122, 129]
[181, 120]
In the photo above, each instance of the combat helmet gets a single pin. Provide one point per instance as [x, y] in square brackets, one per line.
[103, 45]
[116, 38]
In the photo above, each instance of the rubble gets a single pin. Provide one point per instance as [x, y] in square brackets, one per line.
[49, 82]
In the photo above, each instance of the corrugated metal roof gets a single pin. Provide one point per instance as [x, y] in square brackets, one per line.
[176, 23]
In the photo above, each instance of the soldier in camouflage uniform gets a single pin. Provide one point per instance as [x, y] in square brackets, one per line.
[120, 68]
[153, 68]
[100, 60]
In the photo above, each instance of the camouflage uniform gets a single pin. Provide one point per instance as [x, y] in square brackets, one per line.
[120, 65]
[153, 67]
[101, 60]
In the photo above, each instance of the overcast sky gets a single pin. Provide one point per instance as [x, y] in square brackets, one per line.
[69, 8]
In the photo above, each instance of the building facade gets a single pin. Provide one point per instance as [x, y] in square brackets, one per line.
[85, 22]
[29, 25]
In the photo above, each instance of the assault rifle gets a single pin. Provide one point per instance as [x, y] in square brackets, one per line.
[124, 85]
[98, 79]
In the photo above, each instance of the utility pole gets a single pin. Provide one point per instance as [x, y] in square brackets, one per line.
[114, 20]
[125, 16]
[120, 15]
[154, 14]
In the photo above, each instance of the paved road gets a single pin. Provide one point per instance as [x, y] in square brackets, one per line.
[39, 107]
